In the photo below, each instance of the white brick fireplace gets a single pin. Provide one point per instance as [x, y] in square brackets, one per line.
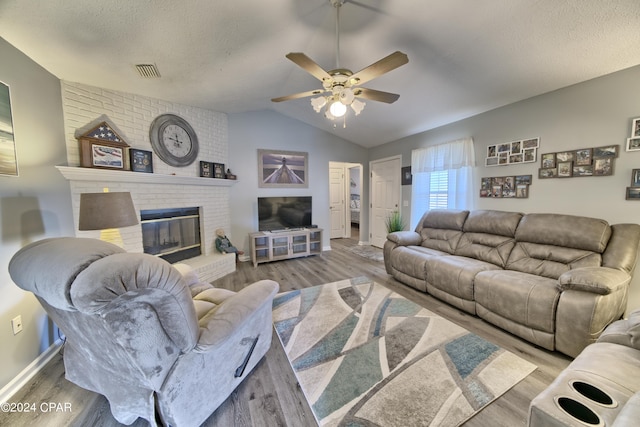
[131, 116]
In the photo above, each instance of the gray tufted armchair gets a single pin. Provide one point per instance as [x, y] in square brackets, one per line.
[151, 338]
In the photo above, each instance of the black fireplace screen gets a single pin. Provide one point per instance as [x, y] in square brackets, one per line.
[172, 234]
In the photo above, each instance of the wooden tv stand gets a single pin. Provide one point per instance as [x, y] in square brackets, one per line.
[267, 246]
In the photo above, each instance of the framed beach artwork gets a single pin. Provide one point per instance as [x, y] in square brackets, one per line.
[283, 169]
[8, 158]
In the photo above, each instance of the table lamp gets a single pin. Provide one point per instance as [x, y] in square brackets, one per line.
[107, 212]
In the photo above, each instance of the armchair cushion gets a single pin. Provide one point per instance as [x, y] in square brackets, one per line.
[223, 320]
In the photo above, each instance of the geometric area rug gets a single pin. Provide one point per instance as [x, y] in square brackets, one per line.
[366, 356]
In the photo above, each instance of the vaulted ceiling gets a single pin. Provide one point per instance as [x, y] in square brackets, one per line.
[465, 56]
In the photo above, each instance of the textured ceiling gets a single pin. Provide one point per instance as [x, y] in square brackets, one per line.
[465, 56]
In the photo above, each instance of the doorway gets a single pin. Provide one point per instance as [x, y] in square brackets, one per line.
[345, 188]
[385, 196]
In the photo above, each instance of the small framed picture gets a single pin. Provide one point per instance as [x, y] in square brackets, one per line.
[496, 191]
[544, 173]
[206, 169]
[531, 143]
[564, 156]
[633, 193]
[406, 177]
[491, 151]
[529, 155]
[635, 128]
[516, 147]
[503, 158]
[603, 166]
[582, 157]
[523, 179]
[565, 169]
[606, 151]
[635, 178]
[218, 170]
[504, 148]
[548, 160]
[491, 161]
[516, 158]
[586, 170]
[522, 191]
[633, 144]
[141, 160]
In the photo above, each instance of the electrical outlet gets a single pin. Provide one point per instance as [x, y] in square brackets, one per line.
[16, 325]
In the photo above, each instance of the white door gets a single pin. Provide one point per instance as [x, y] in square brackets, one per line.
[385, 196]
[337, 201]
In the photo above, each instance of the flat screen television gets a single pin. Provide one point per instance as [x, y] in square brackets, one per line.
[282, 213]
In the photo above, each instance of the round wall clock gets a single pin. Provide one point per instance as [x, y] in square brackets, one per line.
[174, 140]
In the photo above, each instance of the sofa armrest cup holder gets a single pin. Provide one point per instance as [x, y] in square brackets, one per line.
[593, 393]
[578, 411]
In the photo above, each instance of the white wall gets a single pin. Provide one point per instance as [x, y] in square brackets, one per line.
[34, 205]
[591, 114]
[249, 132]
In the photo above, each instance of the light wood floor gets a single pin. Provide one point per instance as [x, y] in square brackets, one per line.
[271, 395]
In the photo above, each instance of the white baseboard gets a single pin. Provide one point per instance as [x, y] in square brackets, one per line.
[326, 248]
[27, 373]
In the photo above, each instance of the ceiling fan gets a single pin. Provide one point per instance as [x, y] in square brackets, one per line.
[340, 86]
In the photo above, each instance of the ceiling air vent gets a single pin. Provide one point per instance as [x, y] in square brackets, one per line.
[148, 71]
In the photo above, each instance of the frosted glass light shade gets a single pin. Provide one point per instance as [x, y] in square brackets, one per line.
[338, 109]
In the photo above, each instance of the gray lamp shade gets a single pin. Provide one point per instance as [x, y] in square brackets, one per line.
[99, 211]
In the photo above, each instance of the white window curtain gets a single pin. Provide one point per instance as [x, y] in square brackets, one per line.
[442, 177]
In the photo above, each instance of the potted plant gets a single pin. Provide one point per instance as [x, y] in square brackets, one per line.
[394, 222]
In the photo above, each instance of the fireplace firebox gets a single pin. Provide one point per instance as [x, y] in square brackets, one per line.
[172, 234]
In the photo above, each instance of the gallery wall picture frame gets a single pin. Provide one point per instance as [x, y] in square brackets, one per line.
[633, 144]
[283, 169]
[548, 160]
[635, 128]
[633, 193]
[610, 151]
[514, 186]
[8, 153]
[141, 160]
[513, 152]
[635, 177]
[565, 169]
[603, 166]
[583, 162]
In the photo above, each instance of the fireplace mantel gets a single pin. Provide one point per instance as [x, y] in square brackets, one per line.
[72, 173]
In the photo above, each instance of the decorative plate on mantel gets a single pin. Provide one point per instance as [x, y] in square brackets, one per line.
[102, 147]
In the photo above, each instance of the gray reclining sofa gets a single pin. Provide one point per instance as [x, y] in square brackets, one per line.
[554, 280]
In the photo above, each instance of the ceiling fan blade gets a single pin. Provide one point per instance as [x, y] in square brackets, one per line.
[298, 95]
[376, 95]
[386, 64]
[309, 65]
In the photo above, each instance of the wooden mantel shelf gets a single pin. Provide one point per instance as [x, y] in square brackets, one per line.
[72, 173]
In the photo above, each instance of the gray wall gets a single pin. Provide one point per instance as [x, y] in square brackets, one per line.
[249, 132]
[591, 114]
[34, 205]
